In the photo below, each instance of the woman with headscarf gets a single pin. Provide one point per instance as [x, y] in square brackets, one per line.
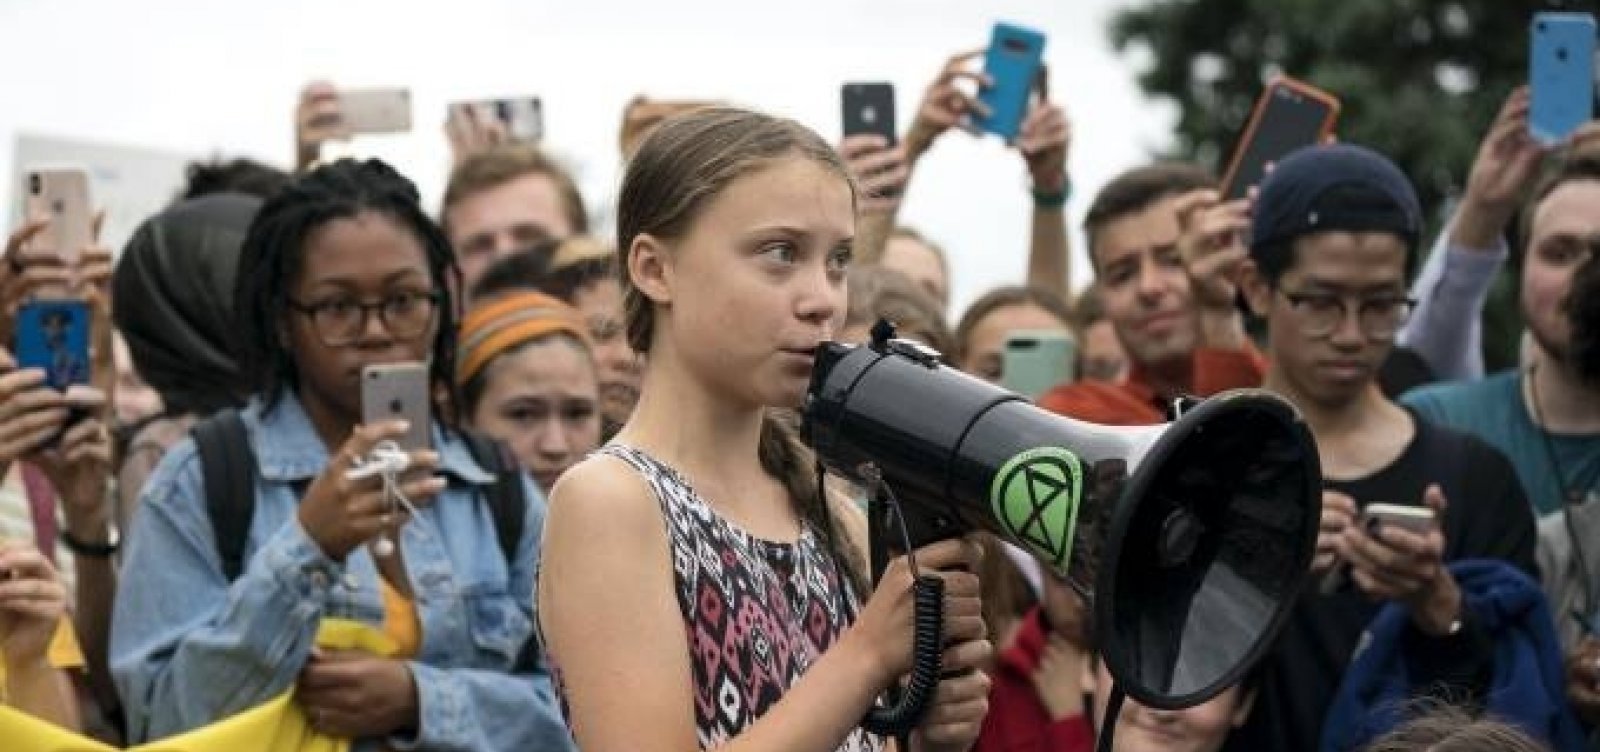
[172, 300]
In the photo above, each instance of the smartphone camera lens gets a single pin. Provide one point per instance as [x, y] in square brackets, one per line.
[35, 184]
[1372, 526]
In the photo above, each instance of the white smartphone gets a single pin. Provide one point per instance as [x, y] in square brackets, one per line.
[523, 117]
[399, 391]
[60, 195]
[1414, 519]
[385, 110]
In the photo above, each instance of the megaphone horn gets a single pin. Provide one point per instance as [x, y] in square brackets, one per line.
[1191, 539]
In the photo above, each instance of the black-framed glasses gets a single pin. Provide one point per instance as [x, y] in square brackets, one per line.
[1379, 317]
[340, 321]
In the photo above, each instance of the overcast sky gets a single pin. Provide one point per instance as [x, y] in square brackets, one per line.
[221, 76]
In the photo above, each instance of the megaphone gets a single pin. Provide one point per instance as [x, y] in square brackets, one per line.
[1191, 540]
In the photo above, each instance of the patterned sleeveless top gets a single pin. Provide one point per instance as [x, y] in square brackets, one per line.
[757, 613]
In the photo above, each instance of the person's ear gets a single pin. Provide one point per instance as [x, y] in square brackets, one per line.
[650, 268]
[1256, 289]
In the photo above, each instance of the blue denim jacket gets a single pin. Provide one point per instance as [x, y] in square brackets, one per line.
[188, 648]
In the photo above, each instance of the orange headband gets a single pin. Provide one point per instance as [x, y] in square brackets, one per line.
[503, 323]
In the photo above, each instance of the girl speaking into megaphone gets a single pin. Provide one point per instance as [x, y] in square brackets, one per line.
[695, 590]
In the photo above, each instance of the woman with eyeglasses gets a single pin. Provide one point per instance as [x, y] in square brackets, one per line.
[340, 271]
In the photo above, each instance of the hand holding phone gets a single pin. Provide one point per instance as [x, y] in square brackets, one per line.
[1012, 65]
[1289, 115]
[946, 103]
[1413, 519]
[33, 413]
[1045, 137]
[340, 513]
[478, 124]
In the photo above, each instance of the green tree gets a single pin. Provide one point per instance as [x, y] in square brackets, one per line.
[1419, 80]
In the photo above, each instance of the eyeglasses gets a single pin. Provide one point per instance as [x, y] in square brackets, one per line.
[1322, 313]
[340, 321]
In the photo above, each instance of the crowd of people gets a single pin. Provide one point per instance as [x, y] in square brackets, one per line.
[613, 538]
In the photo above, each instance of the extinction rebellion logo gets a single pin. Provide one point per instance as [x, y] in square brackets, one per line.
[1035, 497]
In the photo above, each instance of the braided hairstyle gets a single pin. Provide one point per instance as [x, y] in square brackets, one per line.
[274, 254]
[679, 168]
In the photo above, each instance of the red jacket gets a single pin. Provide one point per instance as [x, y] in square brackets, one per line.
[1134, 403]
[1017, 720]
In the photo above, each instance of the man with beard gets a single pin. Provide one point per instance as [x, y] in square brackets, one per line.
[1546, 416]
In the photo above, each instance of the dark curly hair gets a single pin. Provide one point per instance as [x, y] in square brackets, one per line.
[274, 254]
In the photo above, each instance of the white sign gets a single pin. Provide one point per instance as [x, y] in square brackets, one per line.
[129, 183]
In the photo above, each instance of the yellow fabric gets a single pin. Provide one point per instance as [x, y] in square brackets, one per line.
[400, 621]
[63, 652]
[278, 725]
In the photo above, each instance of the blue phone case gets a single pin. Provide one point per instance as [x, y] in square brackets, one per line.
[53, 335]
[1561, 74]
[1013, 60]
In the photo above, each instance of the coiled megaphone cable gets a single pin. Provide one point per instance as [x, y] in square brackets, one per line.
[927, 641]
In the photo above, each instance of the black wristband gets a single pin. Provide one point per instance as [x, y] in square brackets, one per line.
[93, 550]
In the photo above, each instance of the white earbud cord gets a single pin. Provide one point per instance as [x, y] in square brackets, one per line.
[388, 460]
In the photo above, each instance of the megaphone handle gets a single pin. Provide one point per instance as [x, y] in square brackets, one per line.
[927, 648]
[1108, 721]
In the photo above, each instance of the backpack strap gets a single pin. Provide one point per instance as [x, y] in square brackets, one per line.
[508, 505]
[228, 468]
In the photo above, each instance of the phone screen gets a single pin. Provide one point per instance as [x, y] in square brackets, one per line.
[1287, 120]
[53, 335]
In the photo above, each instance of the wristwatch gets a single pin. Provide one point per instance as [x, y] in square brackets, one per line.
[93, 550]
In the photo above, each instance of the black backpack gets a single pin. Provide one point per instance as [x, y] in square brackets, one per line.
[229, 468]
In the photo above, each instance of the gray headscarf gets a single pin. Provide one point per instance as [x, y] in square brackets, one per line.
[172, 299]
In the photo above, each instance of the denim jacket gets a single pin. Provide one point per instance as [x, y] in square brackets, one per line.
[188, 648]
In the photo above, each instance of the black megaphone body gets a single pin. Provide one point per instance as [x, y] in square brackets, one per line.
[1190, 539]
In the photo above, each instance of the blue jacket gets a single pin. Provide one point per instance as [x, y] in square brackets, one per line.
[1528, 687]
[189, 648]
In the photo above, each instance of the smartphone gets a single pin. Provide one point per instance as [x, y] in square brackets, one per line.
[1560, 74]
[53, 335]
[1288, 115]
[1034, 362]
[523, 117]
[62, 196]
[376, 110]
[1415, 519]
[868, 108]
[399, 391]
[1013, 61]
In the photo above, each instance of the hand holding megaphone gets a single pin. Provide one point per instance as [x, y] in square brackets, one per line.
[887, 624]
[887, 620]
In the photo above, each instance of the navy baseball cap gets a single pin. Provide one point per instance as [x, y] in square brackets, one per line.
[1336, 187]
